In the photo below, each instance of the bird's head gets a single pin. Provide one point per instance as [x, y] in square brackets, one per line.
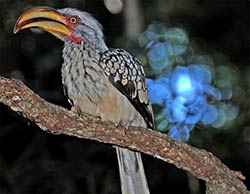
[67, 24]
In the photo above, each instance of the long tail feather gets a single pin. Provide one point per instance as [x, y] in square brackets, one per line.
[132, 175]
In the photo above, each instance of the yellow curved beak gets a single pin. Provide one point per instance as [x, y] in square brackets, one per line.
[46, 18]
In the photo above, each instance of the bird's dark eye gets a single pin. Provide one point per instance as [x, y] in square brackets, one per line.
[73, 20]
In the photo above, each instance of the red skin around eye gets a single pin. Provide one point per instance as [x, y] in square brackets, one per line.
[73, 27]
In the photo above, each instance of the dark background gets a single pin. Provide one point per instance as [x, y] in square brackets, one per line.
[32, 161]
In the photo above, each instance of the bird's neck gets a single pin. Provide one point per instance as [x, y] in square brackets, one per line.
[94, 41]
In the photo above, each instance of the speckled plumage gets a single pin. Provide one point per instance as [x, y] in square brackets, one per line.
[127, 75]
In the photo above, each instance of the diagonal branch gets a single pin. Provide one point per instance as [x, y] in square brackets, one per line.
[57, 120]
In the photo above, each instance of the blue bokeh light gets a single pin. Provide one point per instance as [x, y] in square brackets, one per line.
[163, 45]
[186, 89]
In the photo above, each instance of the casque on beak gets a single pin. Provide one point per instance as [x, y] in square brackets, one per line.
[47, 18]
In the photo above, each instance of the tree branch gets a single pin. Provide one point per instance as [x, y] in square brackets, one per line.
[57, 120]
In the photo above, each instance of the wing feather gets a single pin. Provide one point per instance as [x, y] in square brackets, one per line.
[127, 75]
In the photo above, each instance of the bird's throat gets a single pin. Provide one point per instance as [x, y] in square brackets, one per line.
[74, 38]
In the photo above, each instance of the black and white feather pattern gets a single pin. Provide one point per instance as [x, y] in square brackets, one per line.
[127, 75]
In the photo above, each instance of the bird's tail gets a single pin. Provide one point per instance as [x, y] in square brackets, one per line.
[132, 175]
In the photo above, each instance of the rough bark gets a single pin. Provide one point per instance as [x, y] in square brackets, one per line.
[57, 120]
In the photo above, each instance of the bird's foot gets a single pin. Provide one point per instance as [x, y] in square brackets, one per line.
[126, 126]
[74, 110]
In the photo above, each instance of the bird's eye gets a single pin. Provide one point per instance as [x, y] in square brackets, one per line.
[73, 20]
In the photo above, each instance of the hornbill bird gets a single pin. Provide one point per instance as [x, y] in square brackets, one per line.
[103, 82]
